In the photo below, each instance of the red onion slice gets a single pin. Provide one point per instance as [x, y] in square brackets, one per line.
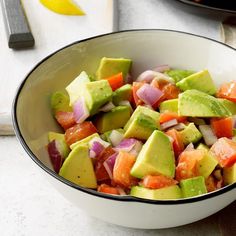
[137, 148]
[179, 127]
[190, 147]
[107, 107]
[96, 146]
[80, 110]
[149, 75]
[168, 124]
[149, 94]
[162, 68]
[109, 164]
[115, 137]
[126, 145]
[55, 156]
[208, 134]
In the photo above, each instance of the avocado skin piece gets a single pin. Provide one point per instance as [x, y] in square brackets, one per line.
[229, 174]
[113, 66]
[195, 103]
[142, 123]
[96, 94]
[74, 88]
[190, 134]
[201, 81]
[114, 119]
[193, 186]
[155, 157]
[231, 106]
[171, 192]
[121, 94]
[60, 101]
[169, 105]
[177, 75]
[78, 168]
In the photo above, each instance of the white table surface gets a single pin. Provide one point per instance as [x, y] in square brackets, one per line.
[28, 203]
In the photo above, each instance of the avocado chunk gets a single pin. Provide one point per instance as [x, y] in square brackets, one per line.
[207, 164]
[114, 119]
[229, 174]
[190, 134]
[201, 81]
[169, 105]
[78, 168]
[193, 186]
[112, 66]
[122, 94]
[178, 75]
[155, 157]
[84, 141]
[231, 106]
[142, 123]
[171, 192]
[195, 103]
[60, 101]
[74, 87]
[96, 94]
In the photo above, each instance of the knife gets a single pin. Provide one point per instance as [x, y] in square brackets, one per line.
[17, 28]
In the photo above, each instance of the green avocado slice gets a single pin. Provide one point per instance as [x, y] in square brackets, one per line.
[195, 103]
[155, 157]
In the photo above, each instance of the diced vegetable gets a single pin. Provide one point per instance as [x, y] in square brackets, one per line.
[115, 81]
[104, 188]
[228, 91]
[65, 119]
[224, 150]
[223, 127]
[178, 144]
[157, 181]
[121, 173]
[79, 132]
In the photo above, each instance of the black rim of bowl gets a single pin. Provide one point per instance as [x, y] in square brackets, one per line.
[203, 6]
[94, 192]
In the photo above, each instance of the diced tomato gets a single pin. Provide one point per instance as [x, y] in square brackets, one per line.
[187, 164]
[157, 181]
[100, 171]
[171, 91]
[79, 131]
[228, 91]
[222, 127]
[116, 81]
[178, 145]
[224, 150]
[135, 87]
[167, 116]
[104, 188]
[121, 172]
[65, 119]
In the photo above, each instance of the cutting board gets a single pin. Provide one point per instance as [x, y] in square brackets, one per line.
[51, 32]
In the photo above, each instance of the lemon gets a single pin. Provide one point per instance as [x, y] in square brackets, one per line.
[65, 7]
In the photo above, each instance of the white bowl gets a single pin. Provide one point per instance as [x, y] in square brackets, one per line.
[32, 117]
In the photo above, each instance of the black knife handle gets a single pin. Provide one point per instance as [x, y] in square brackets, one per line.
[18, 31]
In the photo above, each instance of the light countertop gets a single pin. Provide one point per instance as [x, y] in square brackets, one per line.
[29, 205]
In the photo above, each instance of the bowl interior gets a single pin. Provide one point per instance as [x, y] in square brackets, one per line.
[147, 48]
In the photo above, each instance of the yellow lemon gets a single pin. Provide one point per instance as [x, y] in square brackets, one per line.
[66, 7]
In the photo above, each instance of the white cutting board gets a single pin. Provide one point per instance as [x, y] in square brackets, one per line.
[51, 32]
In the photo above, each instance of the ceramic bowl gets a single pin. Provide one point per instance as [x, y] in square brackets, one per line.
[33, 120]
